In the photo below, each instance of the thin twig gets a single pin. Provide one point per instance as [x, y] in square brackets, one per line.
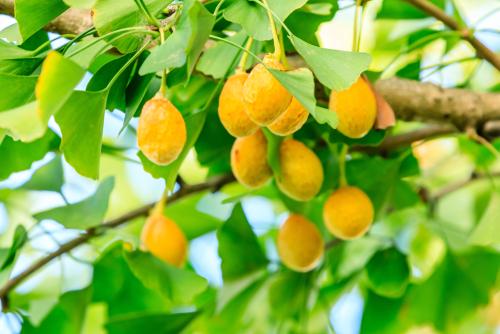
[212, 184]
[465, 33]
[463, 183]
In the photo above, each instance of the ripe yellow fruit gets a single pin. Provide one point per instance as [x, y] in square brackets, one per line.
[249, 160]
[265, 98]
[161, 133]
[164, 239]
[300, 244]
[348, 213]
[232, 108]
[291, 120]
[356, 109]
[301, 171]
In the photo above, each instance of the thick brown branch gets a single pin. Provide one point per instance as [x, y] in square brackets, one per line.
[482, 50]
[213, 184]
[413, 100]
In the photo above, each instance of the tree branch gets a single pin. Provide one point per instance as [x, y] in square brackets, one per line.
[482, 50]
[212, 184]
[413, 100]
[452, 187]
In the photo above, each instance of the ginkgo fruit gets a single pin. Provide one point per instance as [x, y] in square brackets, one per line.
[300, 245]
[348, 213]
[356, 109]
[249, 160]
[264, 96]
[291, 120]
[301, 174]
[232, 108]
[161, 133]
[164, 239]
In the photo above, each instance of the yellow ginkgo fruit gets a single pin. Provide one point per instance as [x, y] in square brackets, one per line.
[249, 160]
[232, 108]
[356, 109]
[300, 245]
[348, 213]
[291, 120]
[264, 96]
[164, 239]
[301, 171]
[161, 133]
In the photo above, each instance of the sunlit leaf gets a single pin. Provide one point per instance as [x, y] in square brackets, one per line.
[18, 156]
[487, 231]
[253, 17]
[185, 44]
[177, 285]
[217, 60]
[8, 255]
[110, 15]
[238, 247]
[34, 15]
[388, 273]
[335, 69]
[48, 177]
[300, 83]
[81, 120]
[66, 317]
[16, 90]
[161, 323]
[85, 214]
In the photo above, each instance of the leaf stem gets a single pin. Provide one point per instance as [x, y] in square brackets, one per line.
[217, 8]
[127, 64]
[217, 38]
[147, 14]
[125, 31]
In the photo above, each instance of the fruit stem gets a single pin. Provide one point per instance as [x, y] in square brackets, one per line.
[342, 158]
[244, 56]
[163, 85]
[355, 28]
[160, 205]
[284, 61]
[277, 46]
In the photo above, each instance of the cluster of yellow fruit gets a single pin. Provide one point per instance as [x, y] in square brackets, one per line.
[247, 102]
[347, 214]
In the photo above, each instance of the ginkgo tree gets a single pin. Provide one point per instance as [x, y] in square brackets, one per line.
[134, 131]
